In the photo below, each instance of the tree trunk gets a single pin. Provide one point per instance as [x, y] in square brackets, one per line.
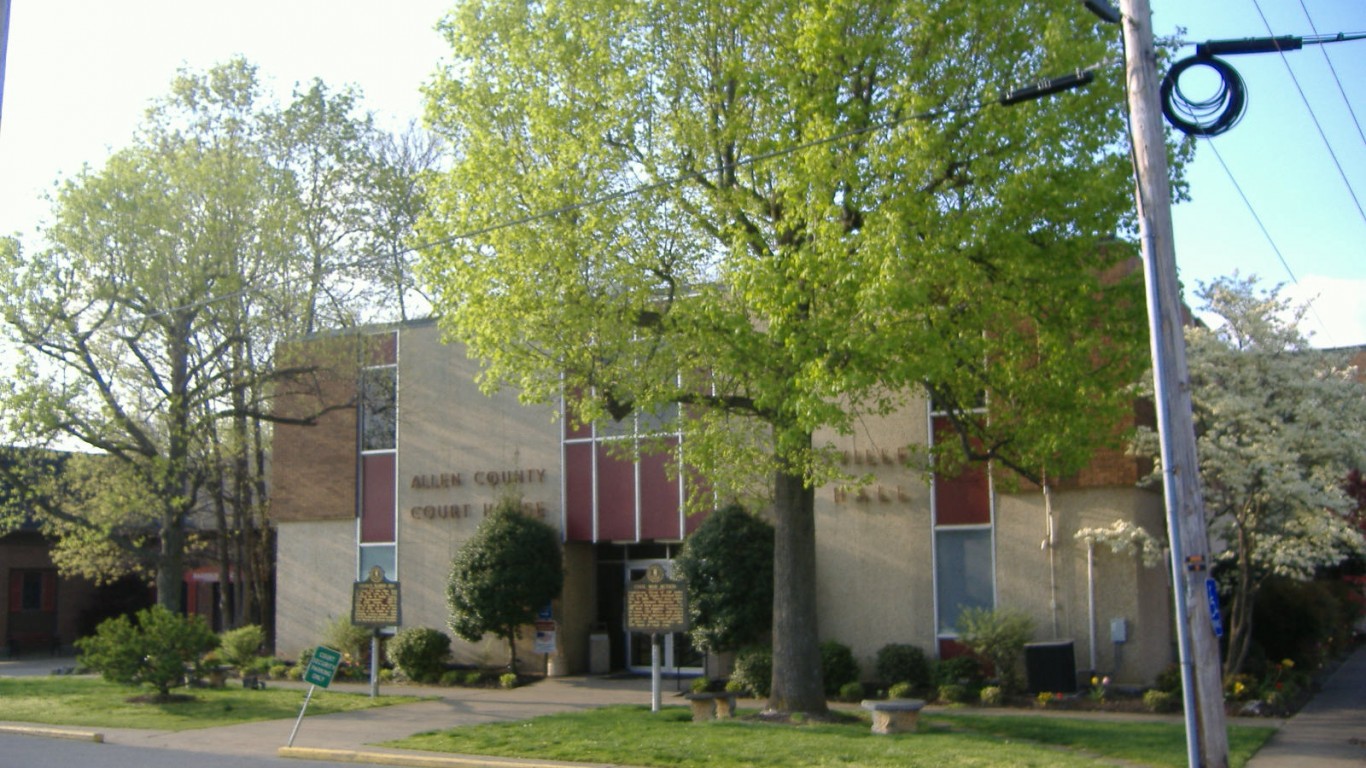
[797, 685]
[170, 564]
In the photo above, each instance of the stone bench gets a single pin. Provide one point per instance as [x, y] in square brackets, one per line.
[894, 715]
[717, 705]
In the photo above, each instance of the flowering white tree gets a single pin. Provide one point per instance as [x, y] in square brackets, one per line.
[1278, 426]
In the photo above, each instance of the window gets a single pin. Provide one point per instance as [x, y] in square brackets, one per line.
[377, 505]
[378, 408]
[32, 590]
[964, 552]
[963, 571]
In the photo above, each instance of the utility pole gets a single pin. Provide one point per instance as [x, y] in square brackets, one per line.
[1196, 609]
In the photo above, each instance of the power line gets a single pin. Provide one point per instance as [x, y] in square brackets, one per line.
[1265, 232]
[1329, 61]
[1328, 145]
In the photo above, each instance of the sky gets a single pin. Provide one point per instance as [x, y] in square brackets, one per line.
[1285, 205]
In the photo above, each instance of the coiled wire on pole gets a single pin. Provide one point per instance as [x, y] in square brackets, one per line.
[1207, 117]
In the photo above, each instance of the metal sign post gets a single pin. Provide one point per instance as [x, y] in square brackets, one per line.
[656, 604]
[322, 667]
[375, 603]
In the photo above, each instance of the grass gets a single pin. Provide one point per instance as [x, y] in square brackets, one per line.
[637, 736]
[93, 702]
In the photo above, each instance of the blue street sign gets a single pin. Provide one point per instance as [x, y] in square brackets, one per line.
[1215, 618]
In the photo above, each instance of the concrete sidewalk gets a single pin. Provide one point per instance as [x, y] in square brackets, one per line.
[1330, 732]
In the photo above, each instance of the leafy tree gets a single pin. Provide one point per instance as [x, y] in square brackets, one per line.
[505, 573]
[155, 649]
[148, 317]
[1278, 426]
[727, 564]
[785, 216]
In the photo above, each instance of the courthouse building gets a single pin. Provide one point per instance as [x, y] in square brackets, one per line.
[408, 454]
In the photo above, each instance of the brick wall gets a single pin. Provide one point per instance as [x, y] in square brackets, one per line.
[313, 467]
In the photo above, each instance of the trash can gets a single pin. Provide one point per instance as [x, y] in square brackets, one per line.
[1051, 666]
[599, 653]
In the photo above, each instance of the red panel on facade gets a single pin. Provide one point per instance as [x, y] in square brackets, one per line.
[961, 500]
[616, 497]
[578, 492]
[377, 498]
[658, 499]
[382, 349]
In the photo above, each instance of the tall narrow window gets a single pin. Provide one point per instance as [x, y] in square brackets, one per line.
[964, 551]
[377, 529]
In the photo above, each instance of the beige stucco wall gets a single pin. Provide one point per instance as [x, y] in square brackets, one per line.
[448, 427]
[875, 573]
[316, 565]
[873, 549]
[1124, 587]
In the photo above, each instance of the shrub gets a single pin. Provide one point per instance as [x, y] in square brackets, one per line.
[953, 693]
[240, 647]
[452, 677]
[902, 663]
[900, 691]
[420, 653]
[507, 681]
[838, 666]
[279, 671]
[991, 696]
[155, 650]
[754, 670]
[351, 640]
[1160, 701]
[699, 685]
[851, 691]
[1305, 621]
[473, 679]
[1169, 679]
[959, 670]
[735, 686]
[296, 672]
[999, 637]
[728, 565]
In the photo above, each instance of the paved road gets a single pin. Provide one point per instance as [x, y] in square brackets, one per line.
[39, 752]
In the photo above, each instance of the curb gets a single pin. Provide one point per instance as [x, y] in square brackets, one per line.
[409, 760]
[53, 733]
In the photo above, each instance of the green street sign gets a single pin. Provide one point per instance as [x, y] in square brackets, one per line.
[322, 667]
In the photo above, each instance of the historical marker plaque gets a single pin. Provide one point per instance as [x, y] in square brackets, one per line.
[375, 602]
[657, 604]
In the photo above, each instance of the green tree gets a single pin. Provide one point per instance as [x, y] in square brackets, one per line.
[500, 578]
[158, 649]
[1278, 426]
[727, 564]
[148, 317]
[785, 216]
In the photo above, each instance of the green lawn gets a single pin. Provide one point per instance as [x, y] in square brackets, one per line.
[635, 736]
[95, 703]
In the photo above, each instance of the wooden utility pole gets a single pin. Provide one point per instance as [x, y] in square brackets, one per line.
[1201, 677]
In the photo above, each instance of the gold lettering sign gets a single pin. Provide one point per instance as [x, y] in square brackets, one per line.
[656, 604]
[375, 602]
